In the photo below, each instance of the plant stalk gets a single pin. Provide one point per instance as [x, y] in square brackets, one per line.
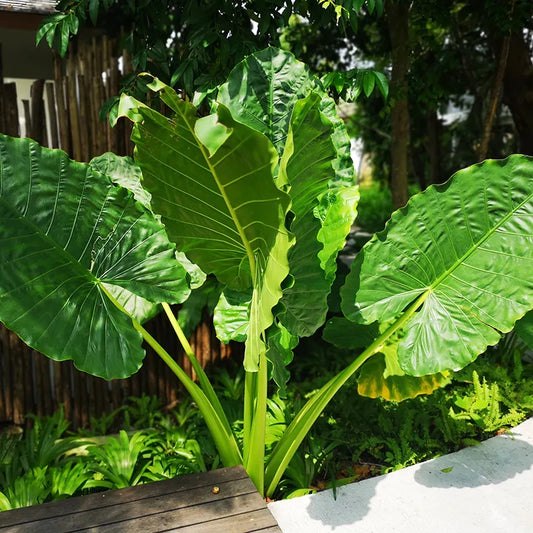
[205, 384]
[304, 420]
[224, 440]
[254, 455]
[250, 392]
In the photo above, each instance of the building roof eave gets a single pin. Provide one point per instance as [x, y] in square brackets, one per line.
[37, 7]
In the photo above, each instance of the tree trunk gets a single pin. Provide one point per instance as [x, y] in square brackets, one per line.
[494, 99]
[398, 24]
[518, 91]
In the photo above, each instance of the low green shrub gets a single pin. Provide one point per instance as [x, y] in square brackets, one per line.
[46, 463]
[365, 436]
[354, 438]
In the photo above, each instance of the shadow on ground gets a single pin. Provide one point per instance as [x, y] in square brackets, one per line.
[495, 461]
[492, 463]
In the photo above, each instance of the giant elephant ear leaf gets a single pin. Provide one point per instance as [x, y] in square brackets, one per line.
[307, 169]
[69, 239]
[375, 382]
[524, 329]
[262, 90]
[454, 266]
[124, 172]
[211, 181]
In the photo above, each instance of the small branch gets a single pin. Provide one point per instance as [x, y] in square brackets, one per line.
[496, 92]
[494, 99]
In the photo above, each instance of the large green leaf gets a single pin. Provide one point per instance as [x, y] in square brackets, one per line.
[68, 235]
[337, 210]
[346, 334]
[262, 90]
[375, 382]
[524, 329]
[124, 172]
[281, 344]
[306, 168]
[459, 257]
[380, 376]
[211, 181]
[324, 210]
[231, 316]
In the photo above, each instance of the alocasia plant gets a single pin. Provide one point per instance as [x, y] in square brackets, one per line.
[260, 195]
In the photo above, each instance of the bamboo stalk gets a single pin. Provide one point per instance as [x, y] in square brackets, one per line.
[6, 412]
[17, 379]
[72, 102]
[11, 114]
[38, 119]
[116, 136]
[52, 116]
[62, 111]
[27, 116]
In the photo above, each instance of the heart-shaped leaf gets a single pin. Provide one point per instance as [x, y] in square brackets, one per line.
[261, 92]
[68, 237]
[374, 382]
[459, 258]
[211, 181]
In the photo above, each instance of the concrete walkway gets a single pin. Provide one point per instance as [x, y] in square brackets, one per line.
[485, 489]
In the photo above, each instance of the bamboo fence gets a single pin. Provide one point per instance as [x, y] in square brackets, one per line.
[30, 382]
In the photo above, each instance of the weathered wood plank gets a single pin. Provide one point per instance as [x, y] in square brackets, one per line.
[165, 505]
[190, 515]
[44, 7]
[38, 128]
[52, 115]
[105, 499]
[261, 521]
[11, 115]
[62, 111]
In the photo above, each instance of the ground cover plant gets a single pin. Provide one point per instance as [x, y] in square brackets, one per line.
[46, 462]
[355, 438]
[258, 194]
[358, 436]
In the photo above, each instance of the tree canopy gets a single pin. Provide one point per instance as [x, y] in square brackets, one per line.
[461, 74]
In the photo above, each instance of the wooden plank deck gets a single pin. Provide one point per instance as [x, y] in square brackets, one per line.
[186, 504]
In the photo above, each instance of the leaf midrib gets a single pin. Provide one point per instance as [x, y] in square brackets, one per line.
[477, 245]
[240, 229]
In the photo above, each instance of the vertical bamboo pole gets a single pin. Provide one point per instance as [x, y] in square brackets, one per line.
[114, 77]
[52, 115]
[85, 123]
[3, 109]
[46, 399]
[17, 378]
[11, 114]
[66, 390]
[99, 93]
[107, 85]
[116, 394]
[72, 102]
[38, 119]
[5, 366]
[62, 109]
[27, 117]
